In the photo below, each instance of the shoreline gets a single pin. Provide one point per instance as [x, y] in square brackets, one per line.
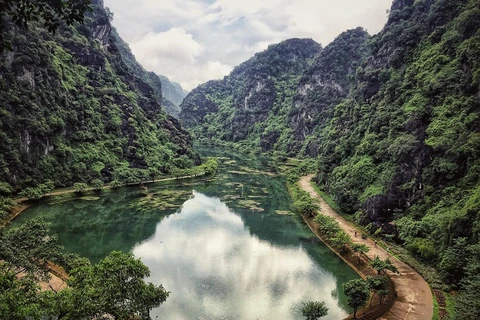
[413, 297]
[23, 203]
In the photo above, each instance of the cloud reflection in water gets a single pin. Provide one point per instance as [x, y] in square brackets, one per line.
[216, 269]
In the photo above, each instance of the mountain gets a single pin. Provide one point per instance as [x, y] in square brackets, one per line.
[76, 106]
[403, 150]
[393, 121]
[253, 99]
[173, 94]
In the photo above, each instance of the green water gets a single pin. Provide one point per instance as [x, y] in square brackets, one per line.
[220, 246]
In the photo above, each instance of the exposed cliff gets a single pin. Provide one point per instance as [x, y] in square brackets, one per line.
[76, 106]
[254, 97]
[173, 95]
[325, 84]
[405, 145]
[393, 120]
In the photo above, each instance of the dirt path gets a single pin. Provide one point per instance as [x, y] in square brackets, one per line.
[414, 298]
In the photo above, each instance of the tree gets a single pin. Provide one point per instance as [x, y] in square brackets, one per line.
[49, 12]
[313, 310]
[6, 204]
[116, 184]
[377, 284]
[115, 286]
[5, 189]
[97, 184]
[33, 192]
[341, 240]
[381, 265]
[28, 249]
[48, 186]
[80, 187]
[327, 225]
[357, 293]
[453, 262]
[360, 248]
[306, 206]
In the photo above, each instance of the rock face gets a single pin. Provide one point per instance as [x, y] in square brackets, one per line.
[77, 106]
[173, 95]
[324, 85]
[392, 120]
[281, 98]
[256, 94]
[403, 144]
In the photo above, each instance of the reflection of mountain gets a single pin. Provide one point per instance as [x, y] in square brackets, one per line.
[216, 269]
[218, 257]
[92, 229]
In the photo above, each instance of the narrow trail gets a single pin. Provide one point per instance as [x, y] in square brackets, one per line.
[414, 299]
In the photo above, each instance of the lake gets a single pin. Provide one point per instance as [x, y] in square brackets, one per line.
[226, 248]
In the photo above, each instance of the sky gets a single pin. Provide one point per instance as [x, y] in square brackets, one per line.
[194, 41]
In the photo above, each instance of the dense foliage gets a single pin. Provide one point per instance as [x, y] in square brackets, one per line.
[76, 107]
[404, 147]
[357, 292]
[114, 287]
[314, 310]
[393, 121]
[251, 105]
[173, 95]
[50, 12]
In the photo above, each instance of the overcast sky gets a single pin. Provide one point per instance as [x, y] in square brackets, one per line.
[193, 41]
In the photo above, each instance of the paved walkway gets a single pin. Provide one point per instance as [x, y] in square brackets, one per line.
[414, 299]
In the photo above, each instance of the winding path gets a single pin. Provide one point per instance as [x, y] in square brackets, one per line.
[414, 299]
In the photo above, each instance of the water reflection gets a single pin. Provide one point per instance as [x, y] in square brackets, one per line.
[216, 269]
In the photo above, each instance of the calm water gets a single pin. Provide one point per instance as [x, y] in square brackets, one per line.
[224, 248]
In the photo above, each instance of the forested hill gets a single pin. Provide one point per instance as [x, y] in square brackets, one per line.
[394, 122]
[76, 106]
[173, 95]
[256, 95]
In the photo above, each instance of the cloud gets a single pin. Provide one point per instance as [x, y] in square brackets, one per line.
[174, 44]
[217, 269]
[192, 41]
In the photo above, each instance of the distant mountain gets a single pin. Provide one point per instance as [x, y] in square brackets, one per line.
[173, 95]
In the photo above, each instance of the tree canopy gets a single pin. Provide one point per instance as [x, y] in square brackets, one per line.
[51, 13]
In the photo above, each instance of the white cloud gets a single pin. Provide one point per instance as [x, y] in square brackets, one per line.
[174, 44]
[192, 41]
[175, 54]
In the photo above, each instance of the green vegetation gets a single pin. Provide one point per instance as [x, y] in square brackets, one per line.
[77, 107]
[97, 184]
[80, 187]
[314, 310]
[378, 285]
[50, 12]
[359, 249]
[250, 108]
[115, 286]
[38, 191]
[6, 204]
[391, 119]
[357, 292]
[382, 265]
[333, 234]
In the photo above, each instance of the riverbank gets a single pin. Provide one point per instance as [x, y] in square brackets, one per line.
[414, 299]
[24, 203]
